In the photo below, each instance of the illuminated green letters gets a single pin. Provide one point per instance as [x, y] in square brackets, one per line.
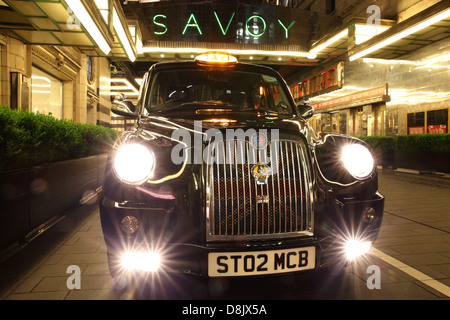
[255, 25]
[224, 32]
[256, 35]
[159, 24]
[286, 30]
[195, 24]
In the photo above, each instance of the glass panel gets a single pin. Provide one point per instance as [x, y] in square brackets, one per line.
[46, 94]
[182, 89]
[437, 121]
[380, 116]
[416, 123]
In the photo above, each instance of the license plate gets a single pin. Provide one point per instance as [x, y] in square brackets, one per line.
[231, 264]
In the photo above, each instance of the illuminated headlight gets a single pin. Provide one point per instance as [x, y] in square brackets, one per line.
[134, 163]
[356, 248]
[358, 160]
[143, 261]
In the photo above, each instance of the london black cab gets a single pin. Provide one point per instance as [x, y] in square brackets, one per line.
[223, 177]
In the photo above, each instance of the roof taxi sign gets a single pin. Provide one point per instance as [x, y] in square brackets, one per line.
[222, 58]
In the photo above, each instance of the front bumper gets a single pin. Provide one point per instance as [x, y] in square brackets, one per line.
[181, 246]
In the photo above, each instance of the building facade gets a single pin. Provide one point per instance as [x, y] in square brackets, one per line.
[389, 97]
[55, 57]
[369, 67]
[55, 80]
[404, 89]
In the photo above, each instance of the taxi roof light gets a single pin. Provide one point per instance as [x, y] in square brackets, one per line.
[214, 57]
[214, 120]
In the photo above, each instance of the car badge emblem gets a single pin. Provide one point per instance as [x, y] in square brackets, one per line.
[261, 173]
[262, 198]
[259, 141]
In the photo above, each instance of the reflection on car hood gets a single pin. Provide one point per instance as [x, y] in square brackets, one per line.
[218, 119]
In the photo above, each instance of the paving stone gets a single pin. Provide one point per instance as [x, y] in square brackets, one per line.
[415, 230]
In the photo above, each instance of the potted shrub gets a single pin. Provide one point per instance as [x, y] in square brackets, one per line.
[46, 165]
[383, 148]
[423, 152]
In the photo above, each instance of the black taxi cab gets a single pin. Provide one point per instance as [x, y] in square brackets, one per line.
[223, 177]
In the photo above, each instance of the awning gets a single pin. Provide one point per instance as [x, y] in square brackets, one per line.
[374, 95]
[428, 26]
[97, 28]
[100, 28]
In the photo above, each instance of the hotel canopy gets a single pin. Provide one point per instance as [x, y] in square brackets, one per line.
[132, 33]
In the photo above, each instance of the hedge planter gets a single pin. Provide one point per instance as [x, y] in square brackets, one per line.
[422, 152]
[14, 206]
[30, 198]
[28, 139]
[423, 160]
[384, 157]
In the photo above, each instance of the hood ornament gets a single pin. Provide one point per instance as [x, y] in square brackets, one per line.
[261, 173]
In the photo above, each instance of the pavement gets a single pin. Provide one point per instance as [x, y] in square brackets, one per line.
[413, 250]
[416, 227]
[39, 271]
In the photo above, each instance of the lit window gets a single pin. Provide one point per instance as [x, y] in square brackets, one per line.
[46, 93]
[90, 74]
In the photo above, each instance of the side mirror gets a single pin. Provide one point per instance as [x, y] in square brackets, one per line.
[123, 107]
[305, 110]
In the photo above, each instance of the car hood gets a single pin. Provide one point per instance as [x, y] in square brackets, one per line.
[201, 121]
[172, 138]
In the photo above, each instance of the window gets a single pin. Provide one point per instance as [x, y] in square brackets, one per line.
[359, 121]
[90, 74]
[379, 120]
[243, 90]
[334, 118]
[343, 122]
[416, 123]
[330, 6]
[46, 93]
[437, 121]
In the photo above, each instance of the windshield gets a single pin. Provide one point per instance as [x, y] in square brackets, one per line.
[201, 88]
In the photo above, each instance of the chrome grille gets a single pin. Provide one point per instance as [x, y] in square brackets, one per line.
[237, 206]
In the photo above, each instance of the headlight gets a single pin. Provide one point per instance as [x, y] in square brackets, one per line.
[358, 160]
[134, 163]
[145, 261]
[355, 248]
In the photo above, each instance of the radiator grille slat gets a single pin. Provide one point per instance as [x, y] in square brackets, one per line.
[239, 206]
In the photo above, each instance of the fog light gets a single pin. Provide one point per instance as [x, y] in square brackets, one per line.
[144, 261]
[129, 224]
[356, 248]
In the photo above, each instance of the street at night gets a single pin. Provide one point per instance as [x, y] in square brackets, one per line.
[231, 158]
[412, 253]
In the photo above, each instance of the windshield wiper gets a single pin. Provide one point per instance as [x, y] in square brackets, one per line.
[200, 105]
[263, 111]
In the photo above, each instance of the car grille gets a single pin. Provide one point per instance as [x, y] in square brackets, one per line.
[240, 207]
